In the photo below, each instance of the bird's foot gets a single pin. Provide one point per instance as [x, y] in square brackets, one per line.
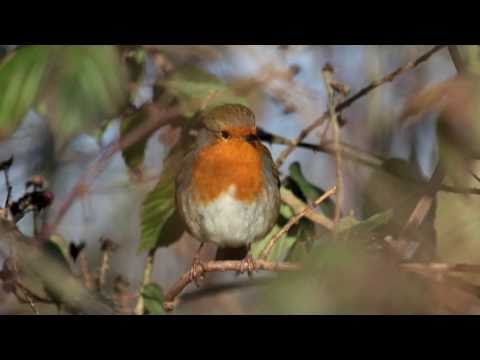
[247, 264]
[196, 271]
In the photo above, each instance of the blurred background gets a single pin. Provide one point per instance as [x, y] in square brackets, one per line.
[75, 114]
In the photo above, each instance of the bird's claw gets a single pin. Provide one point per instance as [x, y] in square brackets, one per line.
[247, 264]
[196, 272]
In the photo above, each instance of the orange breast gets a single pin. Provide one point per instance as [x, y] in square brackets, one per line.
[225, 163]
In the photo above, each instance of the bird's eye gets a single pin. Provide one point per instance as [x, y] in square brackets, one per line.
[251, 138]
[225, 134]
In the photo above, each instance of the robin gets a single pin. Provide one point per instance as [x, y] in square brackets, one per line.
[227, 191]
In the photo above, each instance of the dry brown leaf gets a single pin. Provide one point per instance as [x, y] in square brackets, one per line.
[449, 96]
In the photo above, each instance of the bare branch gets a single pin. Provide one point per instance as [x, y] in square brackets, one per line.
[362, 92]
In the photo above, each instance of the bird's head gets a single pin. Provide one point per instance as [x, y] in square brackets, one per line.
[231, 121]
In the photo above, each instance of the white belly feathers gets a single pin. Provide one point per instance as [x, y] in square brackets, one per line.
[233, 223]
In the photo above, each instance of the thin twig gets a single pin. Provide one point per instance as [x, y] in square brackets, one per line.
[299, 206]
[294, 220]
[362, 92]
[147, 278]
[327, 73]
[222, 266]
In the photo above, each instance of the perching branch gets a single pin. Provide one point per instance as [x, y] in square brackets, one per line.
[221, 266]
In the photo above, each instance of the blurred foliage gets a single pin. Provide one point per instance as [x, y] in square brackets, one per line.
[21, 81]
[341, 277]
[74, 87]
[398, 186]
[196, 90]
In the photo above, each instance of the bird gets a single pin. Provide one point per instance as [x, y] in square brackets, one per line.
[228, 190]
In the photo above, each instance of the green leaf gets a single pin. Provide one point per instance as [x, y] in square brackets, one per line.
[161, 225]
[286, 211]
[279, 251]
[88, 85]
[198, 90]
[158, 207]
[20, 83]
[303, 189]
[311, 192]
[153, 299]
